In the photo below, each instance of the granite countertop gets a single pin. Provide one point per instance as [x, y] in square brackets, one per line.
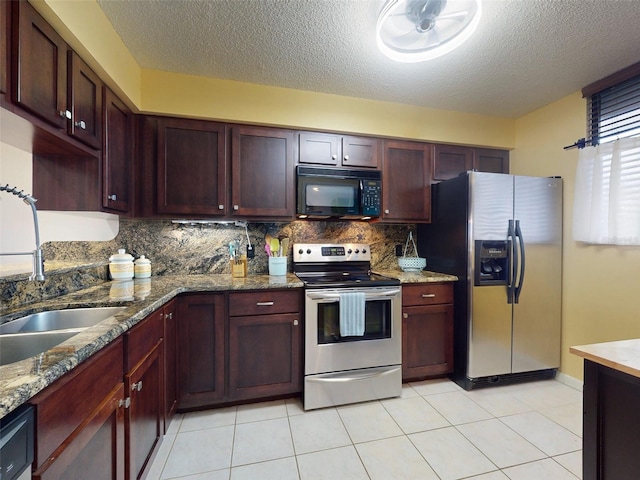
[623, 355]
[22, 380]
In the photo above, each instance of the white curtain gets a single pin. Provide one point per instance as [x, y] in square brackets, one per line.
[606, 208]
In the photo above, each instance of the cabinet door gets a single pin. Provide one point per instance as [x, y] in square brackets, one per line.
[144, 422]
[96, 449]
[491, 160]
[200, 350]
[265, 356]
[191, 167]
[427, 341]
[5, 32]
[319, 148]
[116, 153]
[262, 171]
[406, 182]
[170, 311]
[449, 161]
[84, 98]
[361, 152]
[40, 67]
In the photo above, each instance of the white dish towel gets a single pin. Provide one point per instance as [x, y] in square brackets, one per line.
[352, 306]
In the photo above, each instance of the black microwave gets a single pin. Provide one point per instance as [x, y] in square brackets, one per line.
[338, 193]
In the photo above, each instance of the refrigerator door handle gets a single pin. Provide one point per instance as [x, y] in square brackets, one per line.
[514, 262]
[518, 288]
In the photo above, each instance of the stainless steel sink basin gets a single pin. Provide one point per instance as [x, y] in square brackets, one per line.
[59, 319]
[36, 333]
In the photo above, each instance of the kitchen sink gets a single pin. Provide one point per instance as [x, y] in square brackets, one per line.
[36, 333]
[59, 319]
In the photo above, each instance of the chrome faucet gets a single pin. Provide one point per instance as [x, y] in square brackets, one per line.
[38, 260]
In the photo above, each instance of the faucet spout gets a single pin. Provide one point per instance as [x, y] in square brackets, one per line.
[38, 259]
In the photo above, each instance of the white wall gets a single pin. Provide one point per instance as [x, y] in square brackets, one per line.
[16, 220]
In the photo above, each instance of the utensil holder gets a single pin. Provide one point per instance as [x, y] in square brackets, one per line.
[239, 267]
[277, 266]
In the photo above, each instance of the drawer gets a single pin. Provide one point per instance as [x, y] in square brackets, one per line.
[142, 338]
[264, 303]
[427, 294]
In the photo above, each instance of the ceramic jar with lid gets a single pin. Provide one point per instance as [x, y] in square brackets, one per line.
[121, 265]
[142, 267]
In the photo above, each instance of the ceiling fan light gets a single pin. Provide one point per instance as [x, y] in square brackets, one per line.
[400, 36]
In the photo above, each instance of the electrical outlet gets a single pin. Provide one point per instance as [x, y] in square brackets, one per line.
[250, 251]
[399, 250]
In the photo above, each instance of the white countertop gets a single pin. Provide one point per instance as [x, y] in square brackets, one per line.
[623, 355]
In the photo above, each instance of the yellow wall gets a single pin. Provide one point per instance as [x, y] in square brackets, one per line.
[85, 27]
[600, 286]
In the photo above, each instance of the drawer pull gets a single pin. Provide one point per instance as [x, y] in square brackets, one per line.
[137, 386]
[264, 304]
[126, 403]
[428, 295]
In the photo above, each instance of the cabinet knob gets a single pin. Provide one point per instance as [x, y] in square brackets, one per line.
[112, 197]
[65, 114]
[236, 207]
[81, 124]
[220, 207]
[125, 402]
[295, 323]
[386, 212]
[136, 386]
[405, 315]
[346, 158]
[334, 156]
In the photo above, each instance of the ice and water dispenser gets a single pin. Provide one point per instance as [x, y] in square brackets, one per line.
[492, 263]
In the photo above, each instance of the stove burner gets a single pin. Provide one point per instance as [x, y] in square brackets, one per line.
[336, 265]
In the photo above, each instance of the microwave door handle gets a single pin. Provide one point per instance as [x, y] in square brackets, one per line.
[368, 296]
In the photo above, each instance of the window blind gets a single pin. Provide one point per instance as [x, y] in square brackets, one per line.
[613, 107]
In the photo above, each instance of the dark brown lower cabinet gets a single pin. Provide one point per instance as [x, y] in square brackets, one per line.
[144, 384]
[201, 350]
[264, 356]
[79, 421]
[170, 312]
[611, 441]
[427, 330]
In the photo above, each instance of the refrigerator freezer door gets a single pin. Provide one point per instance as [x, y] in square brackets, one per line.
[536, 316]
[489, 315]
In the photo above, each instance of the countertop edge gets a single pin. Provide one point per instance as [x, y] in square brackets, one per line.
[622, 356]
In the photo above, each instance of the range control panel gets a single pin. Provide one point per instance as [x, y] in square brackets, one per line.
[331, 252]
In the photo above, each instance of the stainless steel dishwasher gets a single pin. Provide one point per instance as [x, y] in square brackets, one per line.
[17, 444]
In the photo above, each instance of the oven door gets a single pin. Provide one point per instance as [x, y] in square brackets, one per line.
[381, 345]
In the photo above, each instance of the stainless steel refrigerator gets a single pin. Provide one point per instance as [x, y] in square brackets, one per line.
[502, 236]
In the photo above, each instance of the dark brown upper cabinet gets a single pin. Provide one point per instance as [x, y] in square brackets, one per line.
[5, 38]
[262, 172]
[39, 66]
[491, 160]
[84, 96]
[191, 172]
[449, 161]
[406, 188]
[337, 150]
[117, 153]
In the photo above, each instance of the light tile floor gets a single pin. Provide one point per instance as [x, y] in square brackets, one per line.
[436, 430]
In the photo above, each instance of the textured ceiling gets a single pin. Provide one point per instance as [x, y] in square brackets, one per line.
[525, 53]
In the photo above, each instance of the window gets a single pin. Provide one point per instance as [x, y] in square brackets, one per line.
[607, 190]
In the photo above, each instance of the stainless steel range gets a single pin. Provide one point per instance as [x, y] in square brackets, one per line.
[353, 326]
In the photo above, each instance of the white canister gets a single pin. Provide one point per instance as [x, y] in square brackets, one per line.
[142, 267]
[121, 265]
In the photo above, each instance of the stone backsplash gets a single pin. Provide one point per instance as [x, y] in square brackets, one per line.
[190, 249]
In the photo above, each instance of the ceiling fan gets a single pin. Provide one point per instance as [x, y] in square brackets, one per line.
[419, 30]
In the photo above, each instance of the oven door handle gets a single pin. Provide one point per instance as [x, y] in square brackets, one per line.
[350, 376]
[335, 297]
